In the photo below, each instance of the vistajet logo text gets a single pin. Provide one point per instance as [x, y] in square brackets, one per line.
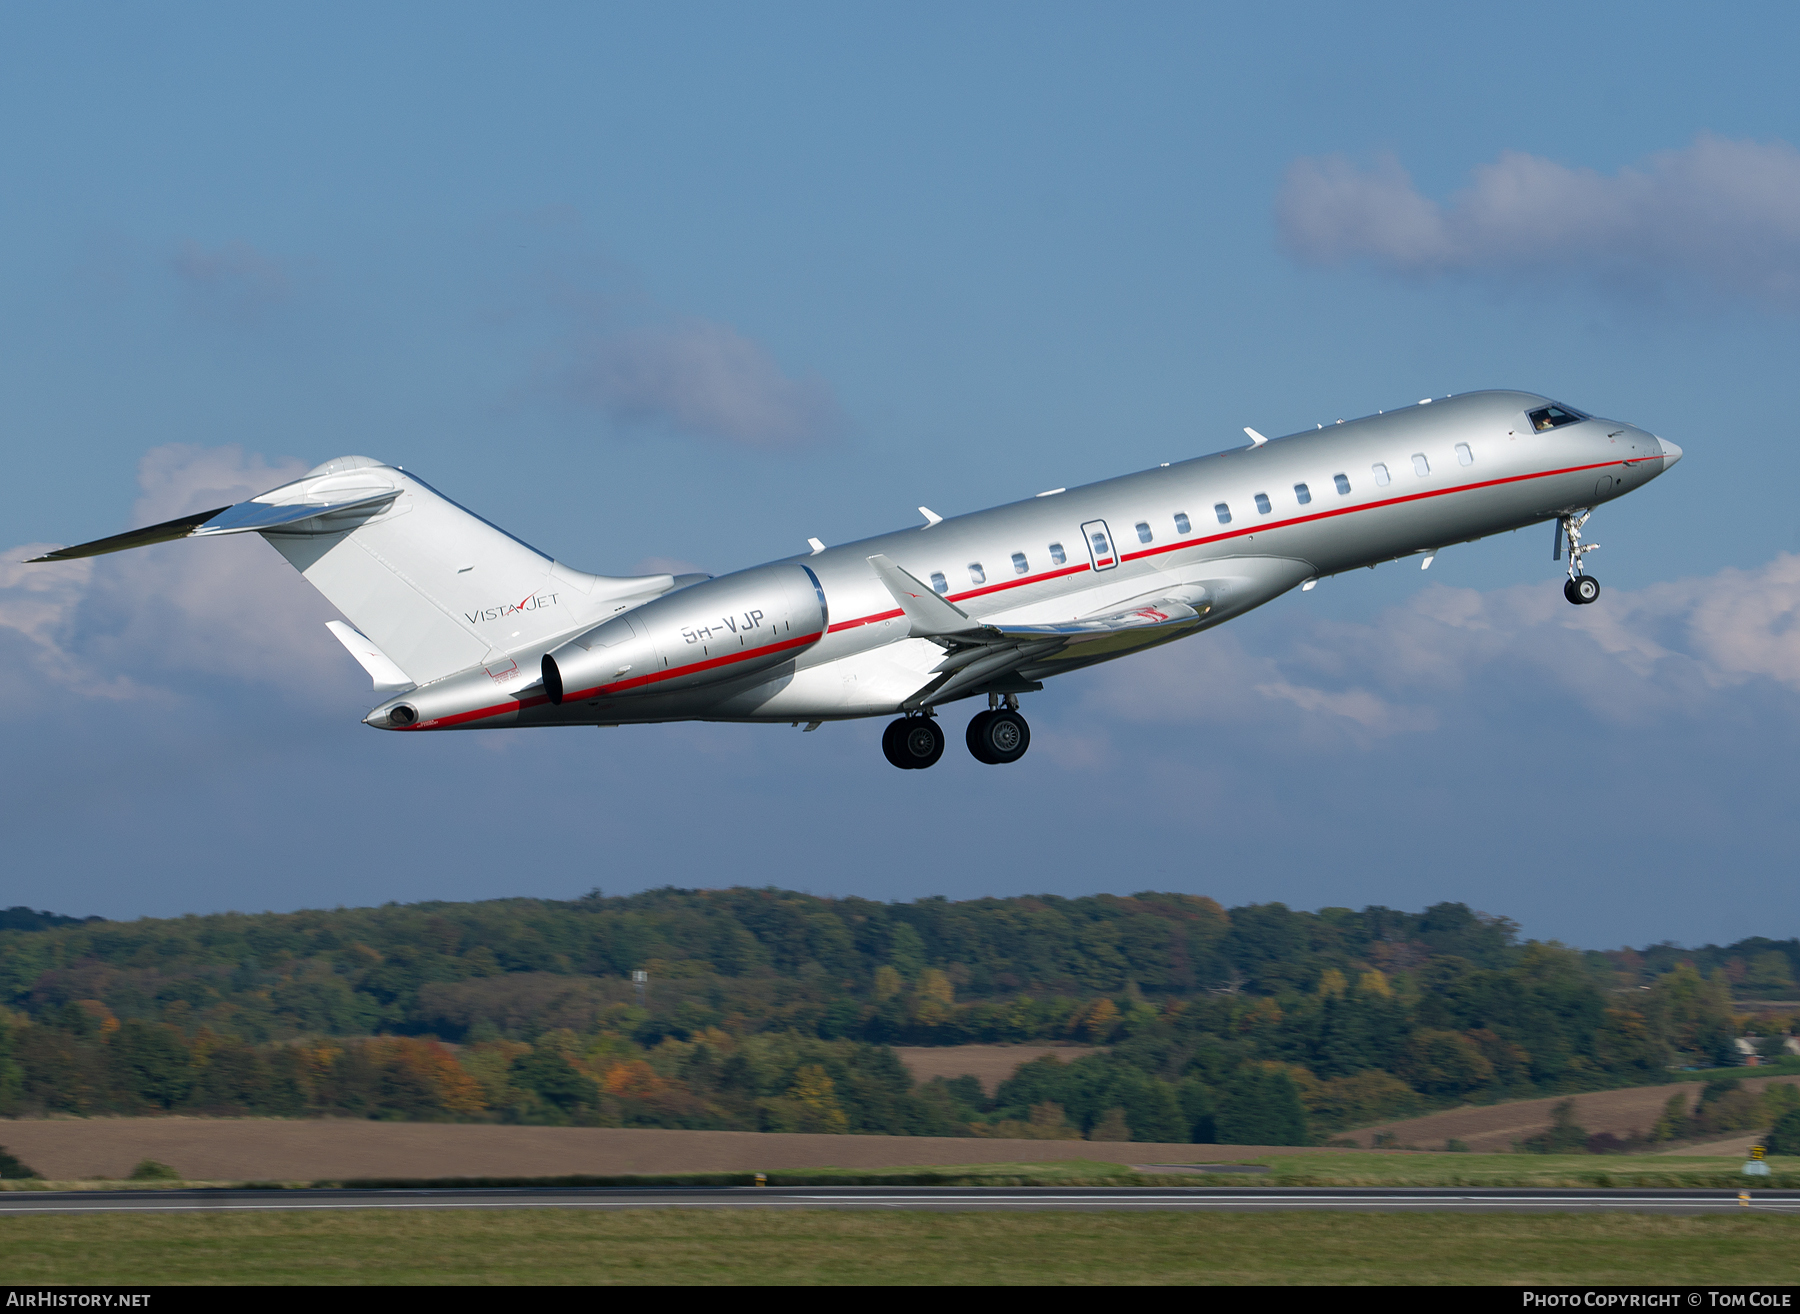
[530, 602]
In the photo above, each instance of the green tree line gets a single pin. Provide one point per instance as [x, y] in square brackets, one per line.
[772, 1010]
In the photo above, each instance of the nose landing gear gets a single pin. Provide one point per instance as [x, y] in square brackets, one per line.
[913, 742]
[999, 735]
[1582, 588]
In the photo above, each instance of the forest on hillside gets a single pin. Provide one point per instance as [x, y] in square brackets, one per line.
[767, 1009]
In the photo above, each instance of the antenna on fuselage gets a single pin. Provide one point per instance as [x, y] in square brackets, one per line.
[1256, 439]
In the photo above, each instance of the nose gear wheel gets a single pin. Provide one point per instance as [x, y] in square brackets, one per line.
[1582, 590]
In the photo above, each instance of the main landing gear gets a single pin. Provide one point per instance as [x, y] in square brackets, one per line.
[999, 735]
[996, 736]
[1582, 588]
[913, 742]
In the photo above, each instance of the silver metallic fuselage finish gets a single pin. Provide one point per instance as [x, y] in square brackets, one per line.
[863, 662]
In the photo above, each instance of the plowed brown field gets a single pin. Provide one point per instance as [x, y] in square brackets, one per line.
[1492, 1128]
[268, 1149]
[988, 1064]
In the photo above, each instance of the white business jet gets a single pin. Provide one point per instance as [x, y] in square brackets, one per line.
[463, 626]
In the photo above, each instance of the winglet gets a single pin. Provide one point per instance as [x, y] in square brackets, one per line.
[1256, 439]
[929, 613]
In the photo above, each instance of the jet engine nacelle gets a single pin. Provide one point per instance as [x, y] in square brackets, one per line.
[704, 634]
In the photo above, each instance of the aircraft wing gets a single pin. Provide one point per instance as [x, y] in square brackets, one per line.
[936, 617]
[1159, 613]
[981, 651]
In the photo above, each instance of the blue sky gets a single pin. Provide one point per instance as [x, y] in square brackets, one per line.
[692, 283]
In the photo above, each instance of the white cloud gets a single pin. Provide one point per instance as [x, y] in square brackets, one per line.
[1720, 214]
[703, 379]
[1671, 650]
[1357, 706]
[155, 621]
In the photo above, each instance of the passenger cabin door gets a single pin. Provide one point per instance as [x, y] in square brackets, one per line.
[1100, 545]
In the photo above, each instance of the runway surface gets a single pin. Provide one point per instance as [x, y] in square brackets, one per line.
[1453, 1199]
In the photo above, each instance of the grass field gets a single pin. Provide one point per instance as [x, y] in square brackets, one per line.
[1438, 1169]
[1338, 1168]
[694, 1246]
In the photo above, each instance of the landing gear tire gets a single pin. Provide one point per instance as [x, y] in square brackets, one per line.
[1582, 588]
[913, 742]
[998, 737]
[974, 738]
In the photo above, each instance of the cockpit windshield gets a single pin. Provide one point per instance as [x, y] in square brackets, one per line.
[1545, 418]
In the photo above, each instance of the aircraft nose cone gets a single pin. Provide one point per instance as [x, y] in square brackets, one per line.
[1671, 453]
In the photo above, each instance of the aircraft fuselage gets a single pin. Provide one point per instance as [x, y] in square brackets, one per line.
[1230, 531]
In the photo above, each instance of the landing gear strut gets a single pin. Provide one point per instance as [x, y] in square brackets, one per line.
[913, 742]
[1582, 588]
[999, 735]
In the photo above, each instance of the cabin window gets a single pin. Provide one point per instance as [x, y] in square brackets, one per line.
[1421, 466]
[1302, 494]
[1057, 555]
[976, 574]
[1143, 530]
[1223, 512]
[1263, 505]
[939, 583]
[1545, 418]
[1463, 455]
[1181, 523]
[1343, 484]
[1381, 475]
[1020, 565]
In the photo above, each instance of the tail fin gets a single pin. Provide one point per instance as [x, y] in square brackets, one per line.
[432, 586]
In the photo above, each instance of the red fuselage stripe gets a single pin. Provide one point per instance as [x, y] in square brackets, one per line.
[1247, 530]
[1371, 506]
[513, 706]
[501, 709]
[711, 663]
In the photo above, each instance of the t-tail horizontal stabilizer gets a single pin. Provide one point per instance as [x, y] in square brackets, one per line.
[167, 532]
[239, 519]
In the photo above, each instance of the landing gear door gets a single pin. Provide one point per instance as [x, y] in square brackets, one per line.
[1100, 545]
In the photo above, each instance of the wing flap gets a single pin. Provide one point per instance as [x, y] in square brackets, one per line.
[995, 651]
[1162, 613]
